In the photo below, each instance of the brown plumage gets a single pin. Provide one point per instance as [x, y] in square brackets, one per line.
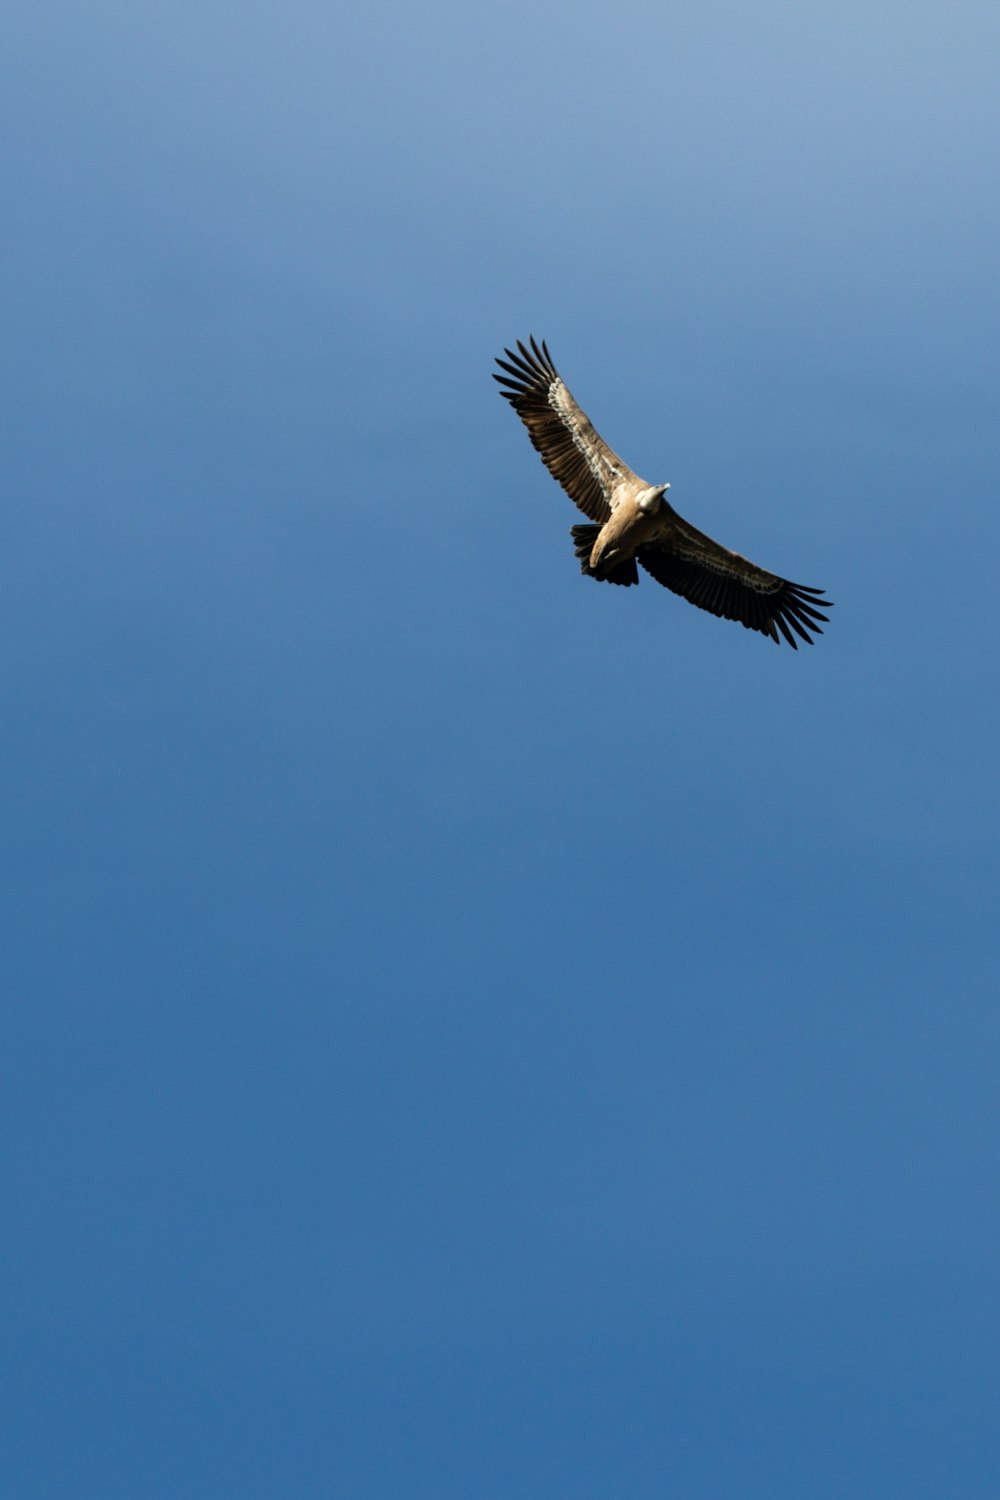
[631, 521]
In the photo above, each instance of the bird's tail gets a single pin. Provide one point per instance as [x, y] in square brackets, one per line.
[584, 538]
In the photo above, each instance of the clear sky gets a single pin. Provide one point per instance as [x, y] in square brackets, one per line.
[471, 1033]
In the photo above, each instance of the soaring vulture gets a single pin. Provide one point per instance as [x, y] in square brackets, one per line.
[633, 522]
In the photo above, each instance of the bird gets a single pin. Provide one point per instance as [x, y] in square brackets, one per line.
[632, 522]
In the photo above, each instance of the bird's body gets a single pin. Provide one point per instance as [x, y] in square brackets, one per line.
[632, 522]
[631, 526]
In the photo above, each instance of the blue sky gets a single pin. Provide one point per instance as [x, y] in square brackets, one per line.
[470, 1032]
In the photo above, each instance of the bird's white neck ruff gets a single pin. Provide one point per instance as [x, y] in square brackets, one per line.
[648, 500]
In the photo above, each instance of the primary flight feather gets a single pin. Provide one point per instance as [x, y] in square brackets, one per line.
[632, 522]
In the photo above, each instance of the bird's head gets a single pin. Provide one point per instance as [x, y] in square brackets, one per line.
[648, 500]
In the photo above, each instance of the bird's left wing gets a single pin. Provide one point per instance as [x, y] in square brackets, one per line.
[571, 450]
[726, 584]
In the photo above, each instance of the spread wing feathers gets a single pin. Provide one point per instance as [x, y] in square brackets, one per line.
[571, 450]
[726, 584]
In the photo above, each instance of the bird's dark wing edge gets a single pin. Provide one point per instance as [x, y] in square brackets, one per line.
[734, 589]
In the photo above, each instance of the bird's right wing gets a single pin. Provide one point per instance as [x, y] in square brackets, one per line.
[571, 450]
[730, 586]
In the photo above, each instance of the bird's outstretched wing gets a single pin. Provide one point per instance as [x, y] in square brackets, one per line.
[571, 450]
[726, 584]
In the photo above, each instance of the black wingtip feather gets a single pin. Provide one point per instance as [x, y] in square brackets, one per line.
[779, 621]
